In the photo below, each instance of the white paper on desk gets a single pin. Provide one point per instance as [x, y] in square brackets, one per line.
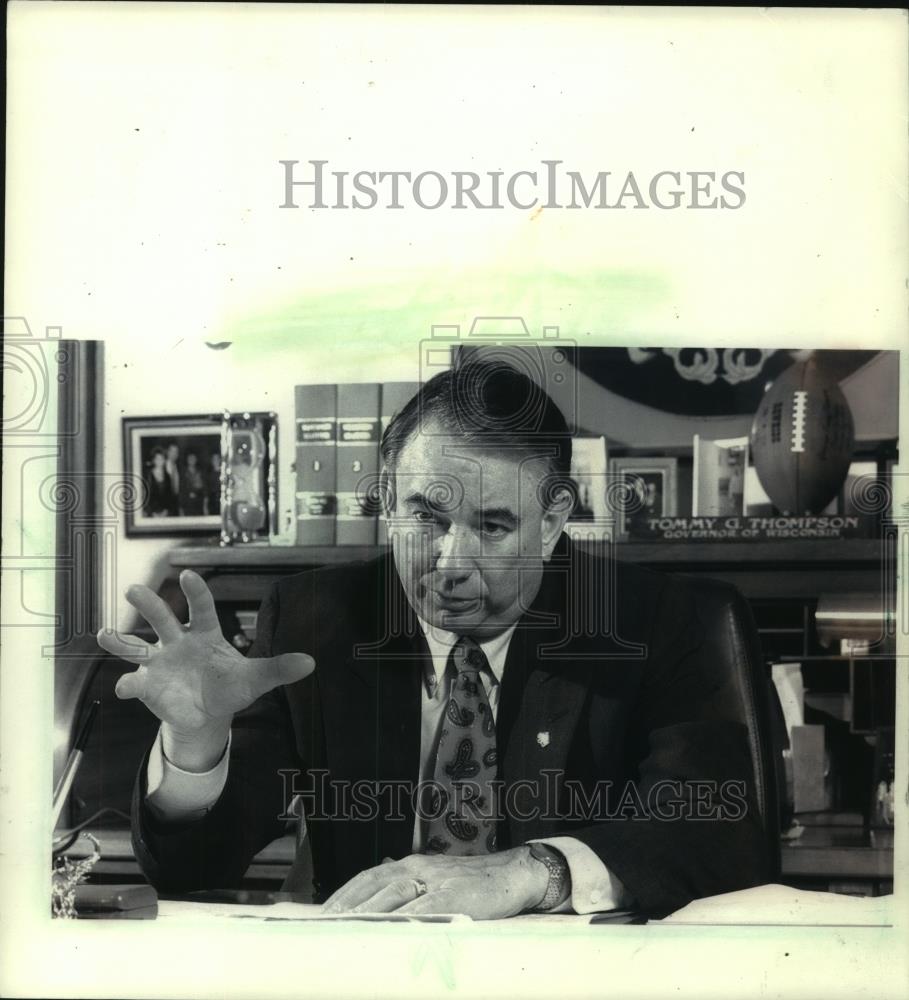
[550, 918]
[184, 910]
[780, 904]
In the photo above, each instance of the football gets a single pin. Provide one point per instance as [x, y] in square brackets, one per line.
[802, 439]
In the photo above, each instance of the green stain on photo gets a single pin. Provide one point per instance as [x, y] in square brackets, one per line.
[434, 958]
[379, 319]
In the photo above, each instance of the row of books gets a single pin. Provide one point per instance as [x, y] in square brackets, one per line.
[339, 427]
[338, 430]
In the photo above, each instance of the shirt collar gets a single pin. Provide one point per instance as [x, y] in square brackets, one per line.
[441, 641]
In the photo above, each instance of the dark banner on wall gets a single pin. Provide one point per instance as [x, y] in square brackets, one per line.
[702, 381]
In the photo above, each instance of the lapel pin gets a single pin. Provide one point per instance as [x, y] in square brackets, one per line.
[543, 739]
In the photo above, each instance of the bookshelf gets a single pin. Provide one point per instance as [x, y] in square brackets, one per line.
[807, 552]
[791, 569]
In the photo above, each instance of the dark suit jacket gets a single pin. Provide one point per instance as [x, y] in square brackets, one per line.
[607, 662]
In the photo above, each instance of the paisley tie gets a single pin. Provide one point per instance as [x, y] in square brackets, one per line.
[462, 816]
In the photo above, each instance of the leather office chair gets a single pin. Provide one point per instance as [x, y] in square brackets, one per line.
[732, 638]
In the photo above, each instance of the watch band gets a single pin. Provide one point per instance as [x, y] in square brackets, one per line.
[559, 887]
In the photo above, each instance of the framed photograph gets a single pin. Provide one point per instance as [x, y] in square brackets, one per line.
[590, 519]
[720, 469]
[588, 470]
[178, 461]
[654, 482]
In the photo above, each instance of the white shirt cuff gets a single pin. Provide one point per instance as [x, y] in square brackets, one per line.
[175, 795]
[593, 886]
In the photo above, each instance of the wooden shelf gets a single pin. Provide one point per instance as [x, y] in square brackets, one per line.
[764, 570]
[791, 554]
[788, 554]
[278, 556]
[839, 852]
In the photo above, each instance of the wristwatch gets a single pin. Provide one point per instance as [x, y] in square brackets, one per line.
[559, 887]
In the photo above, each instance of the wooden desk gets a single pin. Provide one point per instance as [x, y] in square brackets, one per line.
[791, 570]
[846, 859]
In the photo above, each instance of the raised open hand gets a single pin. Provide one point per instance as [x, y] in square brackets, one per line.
[192, 679]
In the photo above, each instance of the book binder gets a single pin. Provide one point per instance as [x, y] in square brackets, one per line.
[316, 499]
[394, 396]
[357, 463]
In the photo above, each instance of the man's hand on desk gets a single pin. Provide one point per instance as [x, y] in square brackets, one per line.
[485, 887]
[192, 679]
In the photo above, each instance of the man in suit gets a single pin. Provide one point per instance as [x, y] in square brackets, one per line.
[487, 720]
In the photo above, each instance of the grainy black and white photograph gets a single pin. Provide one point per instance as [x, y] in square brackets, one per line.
[179, 465]
[454, 527]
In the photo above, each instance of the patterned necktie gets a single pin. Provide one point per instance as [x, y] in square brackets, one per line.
[462, 820]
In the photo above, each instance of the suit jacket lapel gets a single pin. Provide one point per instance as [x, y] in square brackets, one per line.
[540, 704]
[539, 707]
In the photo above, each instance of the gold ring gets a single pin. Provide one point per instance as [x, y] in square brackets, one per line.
[420, 887]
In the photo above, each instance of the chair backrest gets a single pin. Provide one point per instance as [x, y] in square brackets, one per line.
[732, 640]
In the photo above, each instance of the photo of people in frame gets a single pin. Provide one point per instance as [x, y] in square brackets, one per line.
[652, 493]
[649, 489]
[179, 465]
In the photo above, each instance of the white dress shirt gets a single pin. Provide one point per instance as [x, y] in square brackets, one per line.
[174, 794]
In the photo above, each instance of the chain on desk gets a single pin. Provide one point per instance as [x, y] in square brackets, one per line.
[66, 876]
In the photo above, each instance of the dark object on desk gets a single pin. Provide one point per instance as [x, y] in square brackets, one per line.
[619, 917]
[132, 902]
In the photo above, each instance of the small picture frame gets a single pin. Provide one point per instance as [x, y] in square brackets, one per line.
[590, 519]
[654, 485]
[588, 471]
[175, 465]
